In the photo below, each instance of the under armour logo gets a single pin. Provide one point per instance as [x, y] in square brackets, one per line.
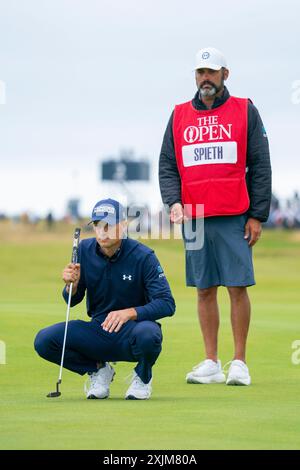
[128, 278]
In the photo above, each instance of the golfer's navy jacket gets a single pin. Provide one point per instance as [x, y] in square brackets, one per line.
[132, 277]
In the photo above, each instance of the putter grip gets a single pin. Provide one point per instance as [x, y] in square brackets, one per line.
[75, 246]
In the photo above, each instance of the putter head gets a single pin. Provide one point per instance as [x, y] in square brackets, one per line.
[57, 393]
[53, 394]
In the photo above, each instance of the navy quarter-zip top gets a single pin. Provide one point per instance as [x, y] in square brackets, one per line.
[132, 277]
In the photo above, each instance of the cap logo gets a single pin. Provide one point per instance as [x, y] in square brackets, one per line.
[100, 209]
[205, 55]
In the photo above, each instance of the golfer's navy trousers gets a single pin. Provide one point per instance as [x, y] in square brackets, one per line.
[88, 344]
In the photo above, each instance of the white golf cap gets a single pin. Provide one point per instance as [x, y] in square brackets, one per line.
[210, 58]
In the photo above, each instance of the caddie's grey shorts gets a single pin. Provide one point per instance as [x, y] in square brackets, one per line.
[225, 258]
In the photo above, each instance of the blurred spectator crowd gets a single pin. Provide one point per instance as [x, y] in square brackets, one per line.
[284, 214]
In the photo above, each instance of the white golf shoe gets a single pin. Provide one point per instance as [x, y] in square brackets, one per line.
[238, 374]
[207, 372]
[138, 390]
[99, 382]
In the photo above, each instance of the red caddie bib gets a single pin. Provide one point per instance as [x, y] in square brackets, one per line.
[210, 149]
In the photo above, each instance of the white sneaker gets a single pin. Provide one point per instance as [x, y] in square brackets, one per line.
[138, 390]
[238, 374]
[99, 382]
[207, 372]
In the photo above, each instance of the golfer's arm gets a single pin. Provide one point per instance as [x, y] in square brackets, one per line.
[161, 302]
[156, 309]
[77, 296]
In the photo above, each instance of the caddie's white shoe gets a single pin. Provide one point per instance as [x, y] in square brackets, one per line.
[207, 372]
[99, 382]
[138, 390]
[238, 374]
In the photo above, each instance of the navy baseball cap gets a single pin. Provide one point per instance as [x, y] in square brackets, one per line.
[109, 210]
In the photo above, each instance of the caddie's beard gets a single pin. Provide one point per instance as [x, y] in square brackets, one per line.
[204, 92]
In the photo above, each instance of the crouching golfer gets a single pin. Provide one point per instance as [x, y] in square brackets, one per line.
[126, 292]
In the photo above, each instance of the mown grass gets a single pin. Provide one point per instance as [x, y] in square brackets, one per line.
[178, 416]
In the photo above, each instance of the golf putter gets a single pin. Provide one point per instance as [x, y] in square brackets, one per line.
[74, 259]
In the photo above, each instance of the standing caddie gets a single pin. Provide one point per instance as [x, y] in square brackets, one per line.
[215, 153]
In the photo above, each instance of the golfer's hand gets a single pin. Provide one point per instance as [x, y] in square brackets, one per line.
[71, 273]
[117, 318]
[177, 214]
[252, 231]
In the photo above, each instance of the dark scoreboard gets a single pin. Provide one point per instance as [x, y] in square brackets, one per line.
[125, 170]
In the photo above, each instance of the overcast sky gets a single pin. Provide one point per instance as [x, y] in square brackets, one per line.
[86, 78]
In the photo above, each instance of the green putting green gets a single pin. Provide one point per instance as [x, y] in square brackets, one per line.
[179, 415]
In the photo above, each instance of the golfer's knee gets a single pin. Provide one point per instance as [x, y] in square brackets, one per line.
[42, 343]
[149, 338]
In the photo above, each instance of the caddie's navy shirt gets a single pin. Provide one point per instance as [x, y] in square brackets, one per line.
[132, 277]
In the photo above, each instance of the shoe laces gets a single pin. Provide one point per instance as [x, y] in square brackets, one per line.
[228, 364]
[96, 378]
[90, 382]
[134, 380]
[199, 365]
[202, 363]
